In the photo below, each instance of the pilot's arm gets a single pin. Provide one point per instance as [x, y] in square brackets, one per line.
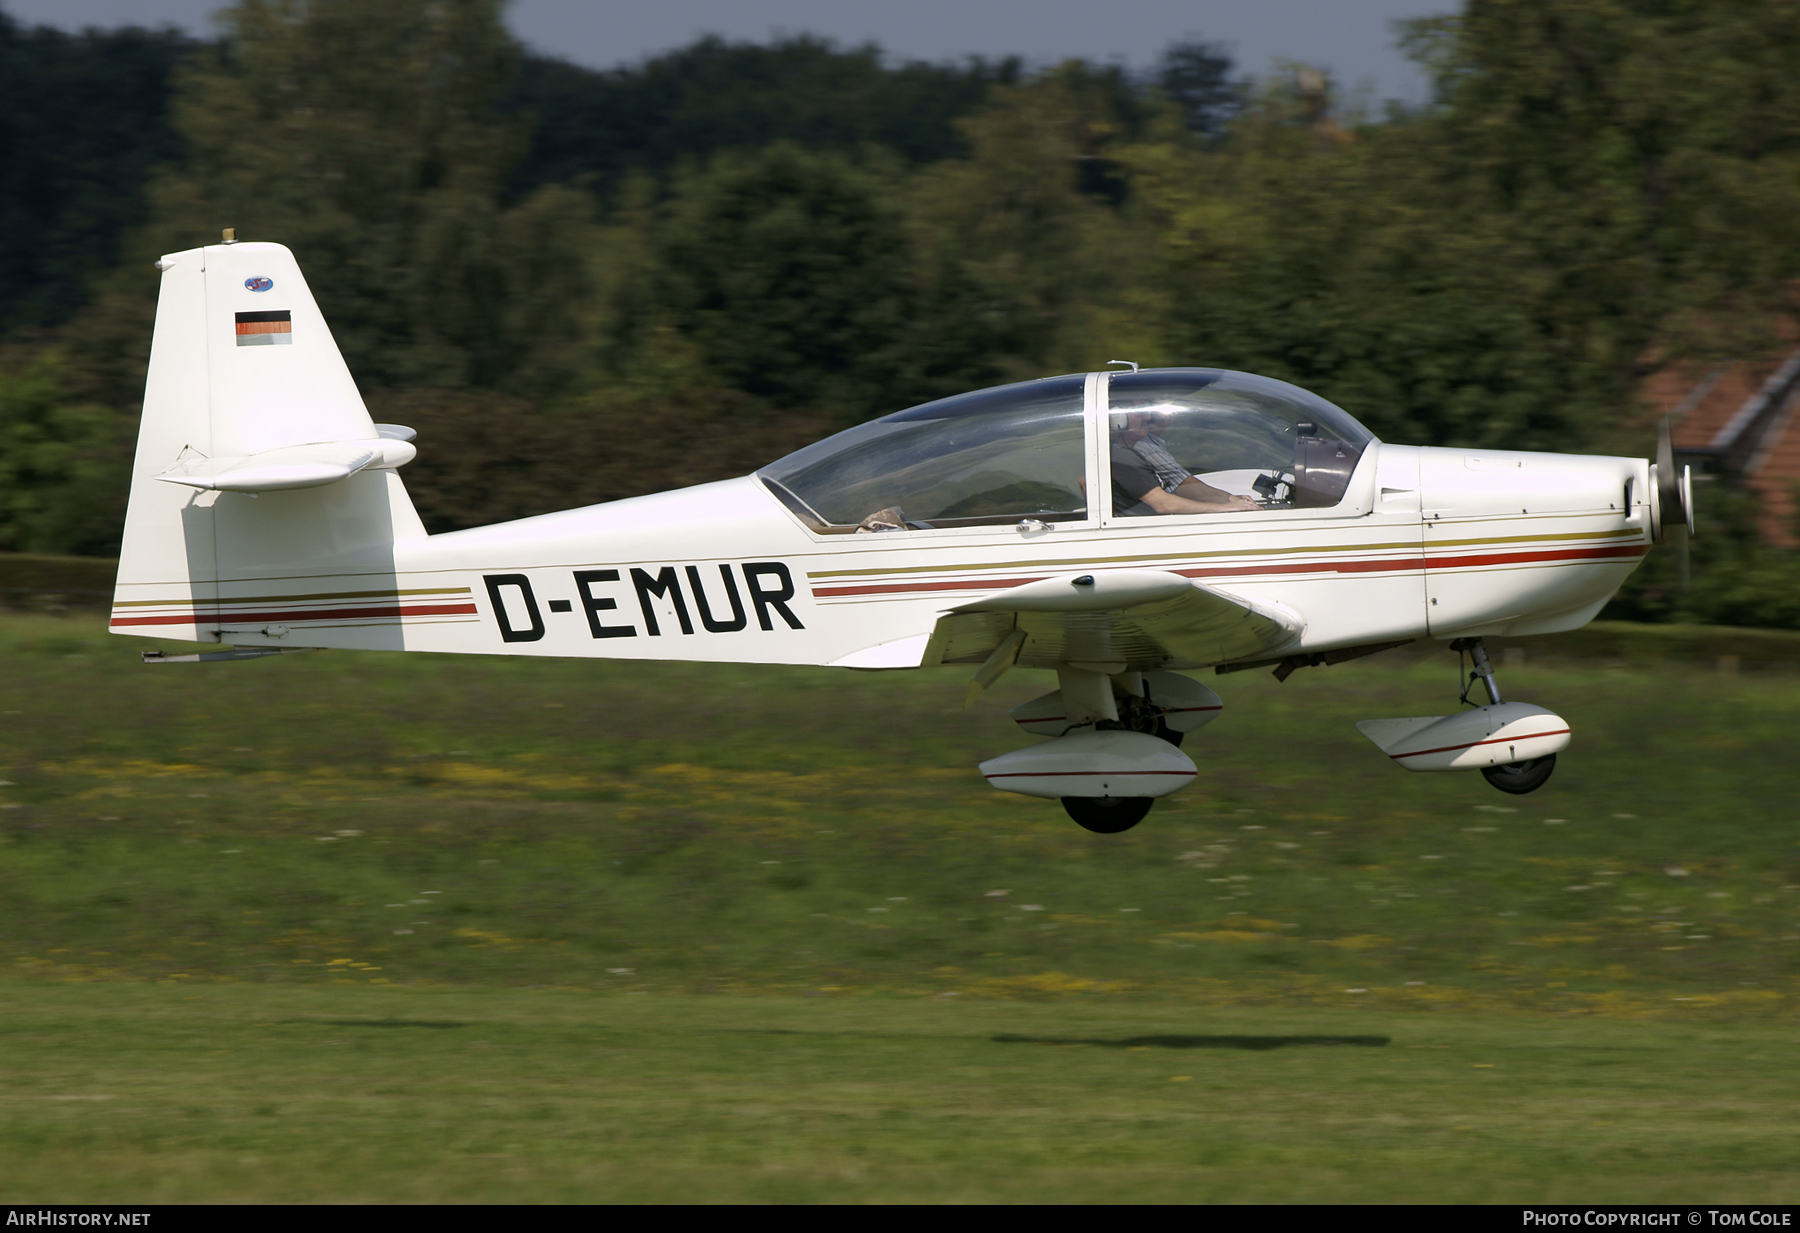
[1136, 490]
[1178, 502]
[1205, 494]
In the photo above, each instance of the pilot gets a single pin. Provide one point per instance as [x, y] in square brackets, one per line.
[1147, 479]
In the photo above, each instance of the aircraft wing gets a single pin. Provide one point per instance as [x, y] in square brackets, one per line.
[1140, 619]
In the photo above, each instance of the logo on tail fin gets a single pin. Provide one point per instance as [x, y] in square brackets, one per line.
[258, 283]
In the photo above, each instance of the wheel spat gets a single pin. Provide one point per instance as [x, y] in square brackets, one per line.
[1107, 815]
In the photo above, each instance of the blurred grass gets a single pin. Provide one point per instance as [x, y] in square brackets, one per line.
[343, 817]
[384, 927]
[42, 582]
[282, 1093]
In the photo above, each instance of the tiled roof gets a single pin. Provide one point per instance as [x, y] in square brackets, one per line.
[1739, 418]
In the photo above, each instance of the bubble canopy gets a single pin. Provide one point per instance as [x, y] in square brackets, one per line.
[1235, 434]
[991, 456]
[1012, 452]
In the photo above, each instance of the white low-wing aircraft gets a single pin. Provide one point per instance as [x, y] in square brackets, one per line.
[1112, 526]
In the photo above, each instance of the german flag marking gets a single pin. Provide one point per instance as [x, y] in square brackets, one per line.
[265, 329]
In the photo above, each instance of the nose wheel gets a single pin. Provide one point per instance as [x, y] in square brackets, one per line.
[1514, 778]
[1518, 778]
[1107, 815]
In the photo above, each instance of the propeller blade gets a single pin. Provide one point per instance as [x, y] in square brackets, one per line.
[1684, 530]
[1668, 493]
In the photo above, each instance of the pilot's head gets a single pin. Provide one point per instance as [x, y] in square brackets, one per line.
[1133, 426]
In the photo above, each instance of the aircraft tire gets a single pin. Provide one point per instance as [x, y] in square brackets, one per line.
[1107, 815]
[1518, 778]
[1167, 733]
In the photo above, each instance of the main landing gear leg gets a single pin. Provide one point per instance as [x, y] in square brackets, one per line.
[1483, 671]
[1112, 700]
[1516, 778]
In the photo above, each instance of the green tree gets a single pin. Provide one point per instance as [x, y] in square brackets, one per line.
[1338, 257]
[1735, 577]
[83, 118]
[790, 274]
[1641, 158]
[853, 285]
[65, 465]
[363, 134]
[687, 105]
[1034, 238]
[1196, 77]
[1601, 187]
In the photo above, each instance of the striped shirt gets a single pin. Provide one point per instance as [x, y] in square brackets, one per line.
[1155, 452]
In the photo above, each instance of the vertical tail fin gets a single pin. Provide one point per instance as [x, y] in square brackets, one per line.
[256, 458]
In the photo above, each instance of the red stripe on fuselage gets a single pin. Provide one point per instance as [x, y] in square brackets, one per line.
[310, 614]
[1433, 564]
[1369, 565]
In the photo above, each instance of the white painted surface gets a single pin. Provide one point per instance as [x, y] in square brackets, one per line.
[295, 466]
[1484, 736]
[1089, 763]
[900, 653]
[264, 398]
[1095, 592]
[1512, 539]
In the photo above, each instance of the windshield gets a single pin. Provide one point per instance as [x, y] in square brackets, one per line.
[989, 457]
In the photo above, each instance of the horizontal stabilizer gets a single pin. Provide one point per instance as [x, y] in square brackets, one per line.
[296, 466]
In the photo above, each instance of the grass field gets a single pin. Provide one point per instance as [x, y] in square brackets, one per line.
[413, 927]
[286, 1093]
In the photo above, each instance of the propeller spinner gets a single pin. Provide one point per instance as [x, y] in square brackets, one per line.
[1672, 504]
